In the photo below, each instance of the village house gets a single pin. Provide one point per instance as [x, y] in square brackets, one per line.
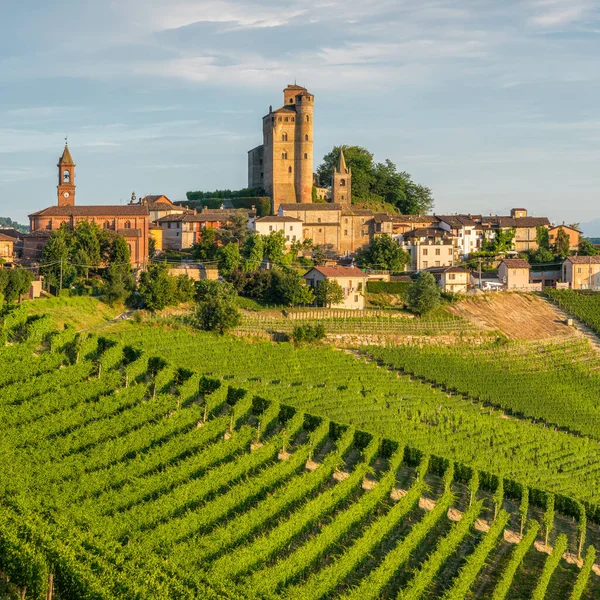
[160, 206]
[290, 226]
[428, 247]
[582, 272]
[524, 226]
[455, 280]
[573, 234]
[7, 247]
[351, 279]
[514, 273]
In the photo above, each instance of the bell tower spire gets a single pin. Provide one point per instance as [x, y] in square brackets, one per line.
[66, 178]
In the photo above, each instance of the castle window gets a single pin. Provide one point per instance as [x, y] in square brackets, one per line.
[345, 232]
[305, 156]
[319, 220]
[66, 176]
[342, 182]
[291, 101]
[284, 155]
[279, 119]
[342, 197]
[286, 119]
[306, 138]
[289, 169]
[106, 224]
[284, 137]
[320, 230]
[307, 118]
[345, 220]
[127, 224]
[293, 119]
[362, 233]
[260, 161]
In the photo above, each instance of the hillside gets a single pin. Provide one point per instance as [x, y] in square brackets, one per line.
[242, 468]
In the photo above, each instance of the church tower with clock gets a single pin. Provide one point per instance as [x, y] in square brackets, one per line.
[66, 179]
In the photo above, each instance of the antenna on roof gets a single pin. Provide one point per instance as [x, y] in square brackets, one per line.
[66, 140]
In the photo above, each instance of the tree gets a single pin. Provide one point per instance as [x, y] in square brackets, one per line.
[319, 257]
[503, 241]
[562, 245]
[229, 258]
[3, 283]
[541, 256]
[328, 292]
[289, 288]
[206, 248]
[274, 246]
[118, 277]
[151, 247]
[236, 231]
[254, 250]
[360, 160]
[586, 248]
[423, 295]
[55, 257]
[542, 238]
[216, 309]
[210, 288]
[184, 289]
[549, 516]
[18, 283]
[383, 253]
[157, 288]
[115, 288]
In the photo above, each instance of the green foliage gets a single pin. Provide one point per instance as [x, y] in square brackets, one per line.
[399, 288]
[209, 288]
[158, 289]
[542, 238]
[14, 284]
[217, 312]
[562, 244]
[254, 251]
[206, 249]
[308, 334]
[503, 241]
[586, 248]
[584, 574]
[240, 199]
[289, 289]
[151, 247]
[383, 253]
[8, 222]
[548, 516]
[524, 507]
[274, 246]
[423, 296]
[328, 292]
[235, 232]
[229, 258]
[380, 182]
[540, 256]
[585, 305]
[560, 547]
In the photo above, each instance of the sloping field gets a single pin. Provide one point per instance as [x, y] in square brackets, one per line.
[518, 316]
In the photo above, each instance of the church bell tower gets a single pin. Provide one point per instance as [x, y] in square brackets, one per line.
[66, 179]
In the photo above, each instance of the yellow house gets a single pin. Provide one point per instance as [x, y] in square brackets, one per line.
[351, 279]
[452, 279]
[156, 233]
[7, 246]
[582, 272]
[514, 273]
[573, 234]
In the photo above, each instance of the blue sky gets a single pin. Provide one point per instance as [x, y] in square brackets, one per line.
[491, 104]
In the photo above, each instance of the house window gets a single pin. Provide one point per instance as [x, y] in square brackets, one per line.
[514, 273]
[451, 276]
[437, 251]
[355, 298]
[287, 237]
[579, 271]
[437, 263]
[169, 225]
[425, 252]
[425, 264]
[449, 250]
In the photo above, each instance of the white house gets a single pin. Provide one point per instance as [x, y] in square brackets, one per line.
[351, 279]
[291, 227]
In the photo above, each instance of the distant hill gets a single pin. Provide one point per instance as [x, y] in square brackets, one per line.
[8, 222]
[591, 229]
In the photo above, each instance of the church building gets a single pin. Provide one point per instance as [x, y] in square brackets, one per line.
[130, 221]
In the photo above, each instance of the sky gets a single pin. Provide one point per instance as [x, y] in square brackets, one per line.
[491, 104]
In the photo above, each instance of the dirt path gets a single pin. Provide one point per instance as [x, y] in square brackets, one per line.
[518, 316]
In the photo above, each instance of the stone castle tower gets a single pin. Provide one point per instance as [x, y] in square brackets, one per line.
[283, 164]
[341, 186]
[66, 179]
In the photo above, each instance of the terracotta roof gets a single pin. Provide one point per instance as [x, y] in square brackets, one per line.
[457, 220]
[6, 238]
[278, 219]
[66, 158]
[426, 232]
[584, 260]
[447, 270]
[516, 263]
[38, 233]
[563, 226]
[290, 108]
[164, 206]
[309, 206]
[382, 218]
[100, 210]
[339, 271]
[294, 86]
[11, 232]
[522, 222]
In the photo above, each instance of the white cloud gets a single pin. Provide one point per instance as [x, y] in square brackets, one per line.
[556, 13]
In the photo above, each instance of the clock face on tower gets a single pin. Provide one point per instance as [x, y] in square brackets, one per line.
[66, 194]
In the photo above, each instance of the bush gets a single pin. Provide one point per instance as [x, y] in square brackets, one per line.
[423, 296]
[308, 333]
[388, 287]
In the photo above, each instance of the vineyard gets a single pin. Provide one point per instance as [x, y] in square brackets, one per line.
[160, 463]
[585, 305]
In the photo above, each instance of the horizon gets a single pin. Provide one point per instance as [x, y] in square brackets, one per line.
[490, 107]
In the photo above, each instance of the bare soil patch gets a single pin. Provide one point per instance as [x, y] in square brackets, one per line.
[518, 316]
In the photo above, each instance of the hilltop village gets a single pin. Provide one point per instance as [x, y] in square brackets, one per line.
[319, 227]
